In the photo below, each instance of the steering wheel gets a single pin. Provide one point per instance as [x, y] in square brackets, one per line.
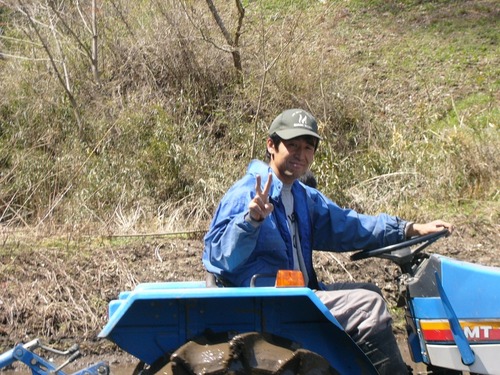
[425, 240]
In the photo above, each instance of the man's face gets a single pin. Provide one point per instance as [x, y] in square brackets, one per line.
[292, 158]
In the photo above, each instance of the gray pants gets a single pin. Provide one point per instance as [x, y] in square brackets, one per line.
[362, 312]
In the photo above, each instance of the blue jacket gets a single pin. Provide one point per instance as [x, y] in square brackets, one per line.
[236, 249]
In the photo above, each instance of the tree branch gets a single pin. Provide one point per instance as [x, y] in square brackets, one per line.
[45, 45]
[232, 43]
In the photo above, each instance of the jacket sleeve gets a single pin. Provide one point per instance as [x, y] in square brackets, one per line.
[230, 239]
[340, 229]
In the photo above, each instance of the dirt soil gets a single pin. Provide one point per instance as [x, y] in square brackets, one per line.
[60, 294]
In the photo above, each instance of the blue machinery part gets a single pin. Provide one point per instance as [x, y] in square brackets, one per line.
[39, 366]
[157, 318]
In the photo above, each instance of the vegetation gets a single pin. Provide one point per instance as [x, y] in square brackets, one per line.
[135, 116]
[132, 117]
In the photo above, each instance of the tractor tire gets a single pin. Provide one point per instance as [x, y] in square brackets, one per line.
[247, 353]
[443, 371]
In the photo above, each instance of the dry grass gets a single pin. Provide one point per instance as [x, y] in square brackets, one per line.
[58, 289]
[405, 96]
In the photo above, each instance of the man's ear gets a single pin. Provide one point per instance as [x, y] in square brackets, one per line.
[270, 146]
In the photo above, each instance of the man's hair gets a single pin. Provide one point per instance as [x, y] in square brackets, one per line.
[277, 140]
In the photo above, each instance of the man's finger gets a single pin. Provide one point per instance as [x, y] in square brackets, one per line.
[257, 184]
[268, 185]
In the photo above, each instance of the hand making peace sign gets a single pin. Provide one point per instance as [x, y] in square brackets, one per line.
[259, 207]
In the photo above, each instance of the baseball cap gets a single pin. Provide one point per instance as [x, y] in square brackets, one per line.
[294, 123]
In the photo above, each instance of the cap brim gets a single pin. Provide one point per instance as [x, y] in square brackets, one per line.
[293, 133]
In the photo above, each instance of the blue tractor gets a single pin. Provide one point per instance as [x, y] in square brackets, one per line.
[195, 327]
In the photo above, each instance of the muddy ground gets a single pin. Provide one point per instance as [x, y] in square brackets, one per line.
[59, 292]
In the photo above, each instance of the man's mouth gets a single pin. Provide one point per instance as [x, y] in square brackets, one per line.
[297, 165]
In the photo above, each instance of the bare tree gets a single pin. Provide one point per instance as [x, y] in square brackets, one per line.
[233, 42]
[92, 52]
[55, 29]
[94, 57]
[62, 76]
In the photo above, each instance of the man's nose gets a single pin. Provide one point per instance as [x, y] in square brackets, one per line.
[301, 151]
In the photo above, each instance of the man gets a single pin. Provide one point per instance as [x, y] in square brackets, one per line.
[269, 220]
